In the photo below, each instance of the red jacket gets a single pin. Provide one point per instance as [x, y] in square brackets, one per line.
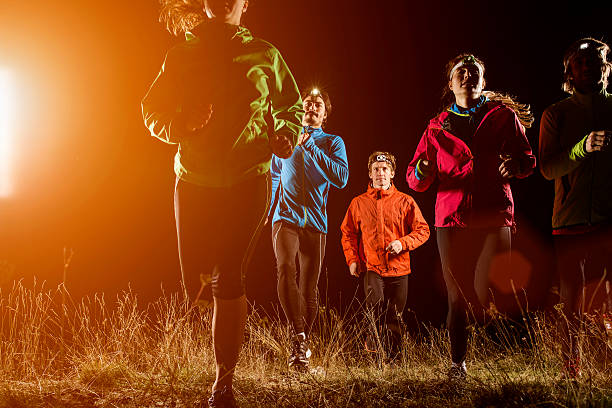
[373, 220]
[471, 191]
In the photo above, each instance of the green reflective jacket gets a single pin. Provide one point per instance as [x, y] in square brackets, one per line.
[240, 76]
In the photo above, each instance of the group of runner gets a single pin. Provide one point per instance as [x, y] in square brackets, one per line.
[230, 103]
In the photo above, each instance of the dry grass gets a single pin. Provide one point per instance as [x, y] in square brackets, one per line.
[57, 352]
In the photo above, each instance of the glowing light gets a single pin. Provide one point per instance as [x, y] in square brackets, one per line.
[584, 46]
[314, 91]
[510, 272]
[7, 115]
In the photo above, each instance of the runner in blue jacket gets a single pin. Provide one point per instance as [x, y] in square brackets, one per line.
[300, 185]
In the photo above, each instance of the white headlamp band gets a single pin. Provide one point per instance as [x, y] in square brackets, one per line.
[463, 62]
[383, 158]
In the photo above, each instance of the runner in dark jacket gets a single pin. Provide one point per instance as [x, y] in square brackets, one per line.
[472, 148]
[574, 152]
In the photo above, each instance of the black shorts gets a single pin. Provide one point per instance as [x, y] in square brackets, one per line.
[217, 230]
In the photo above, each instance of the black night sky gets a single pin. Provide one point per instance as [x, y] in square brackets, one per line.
[87, 176]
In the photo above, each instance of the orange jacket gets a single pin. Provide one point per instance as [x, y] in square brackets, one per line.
[376, 218]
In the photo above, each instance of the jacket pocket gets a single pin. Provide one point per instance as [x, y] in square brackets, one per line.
[565, 184]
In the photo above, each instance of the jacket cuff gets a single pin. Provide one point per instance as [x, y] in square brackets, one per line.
[405, 241]
[418, 173]
[353, 260]
[579, 152]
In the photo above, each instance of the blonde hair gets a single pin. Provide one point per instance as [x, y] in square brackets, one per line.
[180, 16]
[522, 110]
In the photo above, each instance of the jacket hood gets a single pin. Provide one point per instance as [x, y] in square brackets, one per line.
[438, 122]
[221, 30]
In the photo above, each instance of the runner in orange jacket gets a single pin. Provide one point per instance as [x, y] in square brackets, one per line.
[379, 230]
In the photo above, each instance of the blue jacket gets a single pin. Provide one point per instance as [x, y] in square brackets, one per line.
[300, 184]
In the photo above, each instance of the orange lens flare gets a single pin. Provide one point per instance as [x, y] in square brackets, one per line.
[7, 117]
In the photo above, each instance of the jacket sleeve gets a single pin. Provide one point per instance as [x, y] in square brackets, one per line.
[275, 174]
[161, 107]
[286, 100]
[424, 151]
[334, 166]
[555, 160]
[419, 230]
[351, 235]
[517, 145]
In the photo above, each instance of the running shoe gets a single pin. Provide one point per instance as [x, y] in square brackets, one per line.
[571, 369]
[223, 398]
[300, 353]
[370, 344]
[458, 371]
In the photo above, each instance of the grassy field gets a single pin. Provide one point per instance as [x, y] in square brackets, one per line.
[59, 352]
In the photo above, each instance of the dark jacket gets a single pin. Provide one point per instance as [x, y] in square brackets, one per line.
[583, 187]
[241, 76]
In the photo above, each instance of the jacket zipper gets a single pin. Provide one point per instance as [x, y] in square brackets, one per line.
[304, 187]
[469, 193]
[381, 224]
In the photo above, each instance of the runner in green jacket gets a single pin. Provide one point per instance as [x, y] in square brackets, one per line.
[229, 101]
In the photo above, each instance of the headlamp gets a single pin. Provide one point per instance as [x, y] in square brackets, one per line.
[468, 60]
[384, 158]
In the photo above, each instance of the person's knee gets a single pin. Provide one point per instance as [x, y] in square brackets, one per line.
[456, 304]
[286, 269]
[229, 287]
[394, 319]
[482, 295]
[454, 297]
[374, 298]
[311, 299]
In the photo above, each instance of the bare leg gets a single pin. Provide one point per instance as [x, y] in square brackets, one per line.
[229, 320]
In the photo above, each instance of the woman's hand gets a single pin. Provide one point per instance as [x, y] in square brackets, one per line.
[510, 167]
[426, 167]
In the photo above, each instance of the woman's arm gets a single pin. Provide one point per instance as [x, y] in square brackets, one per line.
[422, 169]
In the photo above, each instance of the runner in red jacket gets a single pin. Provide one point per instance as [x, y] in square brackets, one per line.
[380, 229]
[472, 149]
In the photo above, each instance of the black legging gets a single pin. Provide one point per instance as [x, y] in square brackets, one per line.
[466, 255]
[299, 301]
[580, 258]
[386, 297]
